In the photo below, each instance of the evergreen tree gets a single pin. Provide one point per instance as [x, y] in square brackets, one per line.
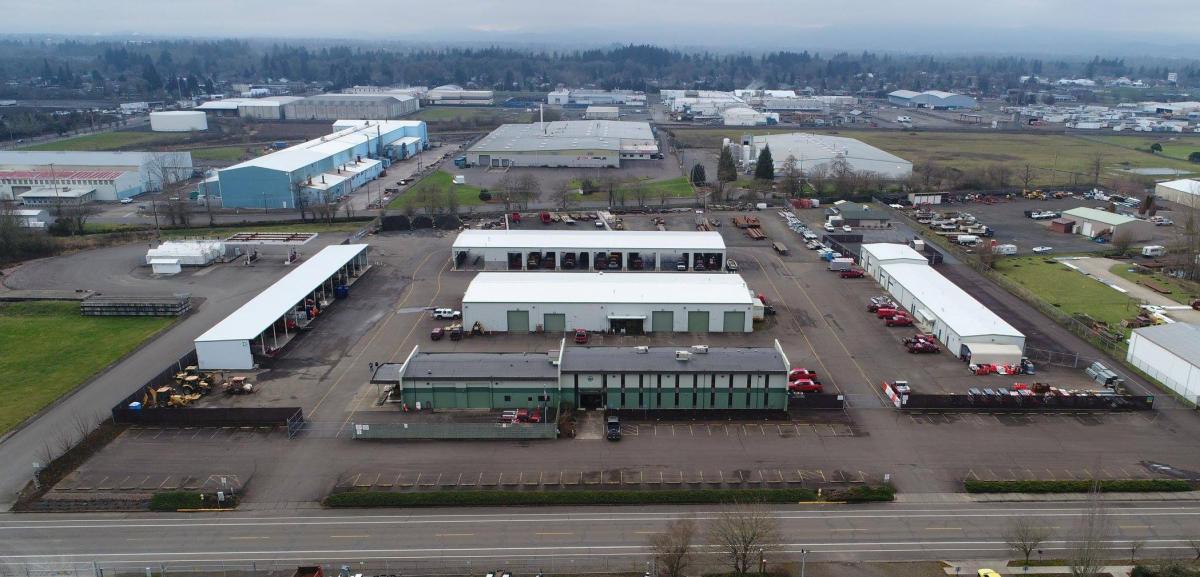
[726, 169]
[699, 178]
[764, 169]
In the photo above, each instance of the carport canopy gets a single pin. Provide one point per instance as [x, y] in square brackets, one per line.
[261, 312]
[994, 353]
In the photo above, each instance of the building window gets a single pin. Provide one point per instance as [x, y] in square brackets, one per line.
[508, 398]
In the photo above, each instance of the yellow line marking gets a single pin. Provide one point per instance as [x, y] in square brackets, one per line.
[251, 537]
[455, 535]
[349, 536]
[553, 533]
[943, 528]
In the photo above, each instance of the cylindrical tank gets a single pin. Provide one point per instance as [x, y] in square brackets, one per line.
[178, 121]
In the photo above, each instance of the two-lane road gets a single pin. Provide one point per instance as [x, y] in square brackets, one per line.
[587, 537]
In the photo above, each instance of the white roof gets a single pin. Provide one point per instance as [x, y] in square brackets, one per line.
[624, 288]
[591, 239]
[1102, 216]
[903, 93]
[349, 133]
[256, 316]
[1184, 185]
[952, 305]
[887, 251]
[47, 192]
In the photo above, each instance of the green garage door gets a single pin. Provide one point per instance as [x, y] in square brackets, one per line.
[555, 323]
[518, 321]
[735, 322]
[662, 321]
[697, 321]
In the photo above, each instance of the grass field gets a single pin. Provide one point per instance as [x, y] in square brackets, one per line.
[1069, 291]
[970, 151]
[337, 226]
[444, 114]
[467, 195]
[1177, 147]
[111, 141]
[221, 153]
[678, 187]
[49, 350]
[1182, 291]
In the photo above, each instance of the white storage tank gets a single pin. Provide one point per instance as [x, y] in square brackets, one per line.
[178, 121]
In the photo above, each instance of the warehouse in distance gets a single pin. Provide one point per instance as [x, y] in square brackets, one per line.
[565, 143]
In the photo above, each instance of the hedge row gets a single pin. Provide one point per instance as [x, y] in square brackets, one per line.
[1079, 486]
[865, 494]
[502, 498]
[176, 500]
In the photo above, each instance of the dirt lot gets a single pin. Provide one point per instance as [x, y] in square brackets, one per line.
[821, 324]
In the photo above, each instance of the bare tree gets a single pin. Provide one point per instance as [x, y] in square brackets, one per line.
[1024, 537]
[1086, 558]
[506, 187]
[429, 197]
[790, 182]
[1097, 165]
[673, 548]
[817, 177]
[740, 531]
[1027, 177]
[529, 188]
[452, 200]
[1122, 241]
[1001, 175]
[639, 192]
[564, 194]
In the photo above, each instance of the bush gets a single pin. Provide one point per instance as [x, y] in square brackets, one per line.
[867, 494]
[176, 500]
[1194, 157]
[503, 498]
[1078, 486]
[485, 196]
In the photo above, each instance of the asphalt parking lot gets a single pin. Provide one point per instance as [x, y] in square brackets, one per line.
[821, 323]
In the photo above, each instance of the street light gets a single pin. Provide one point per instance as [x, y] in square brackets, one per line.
[803, 560]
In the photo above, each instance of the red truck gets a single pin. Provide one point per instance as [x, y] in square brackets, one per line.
[899, 320]
[545, 216]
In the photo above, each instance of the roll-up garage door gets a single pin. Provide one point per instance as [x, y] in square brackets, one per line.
[735, 322]
[555, 323]
[518, 321]
[662, 321]
[697, 321]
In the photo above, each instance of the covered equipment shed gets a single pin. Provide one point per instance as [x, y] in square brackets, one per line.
[588, 250]
[624, 303]
[269, 321]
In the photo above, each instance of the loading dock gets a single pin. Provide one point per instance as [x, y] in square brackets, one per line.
[584, 250]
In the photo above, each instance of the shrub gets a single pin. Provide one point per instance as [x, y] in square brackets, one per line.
[1078, 486]
[176, 500]
[1194, 157]
[867, 494]
[485, 196]
[582, 497]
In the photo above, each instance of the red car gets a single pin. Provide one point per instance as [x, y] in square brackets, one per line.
[899, 320]
[581, 337]
[853, 273]
[802, 373]
[886, 312]
[805, 386]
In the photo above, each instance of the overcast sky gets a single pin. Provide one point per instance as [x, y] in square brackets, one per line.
[1082, 26]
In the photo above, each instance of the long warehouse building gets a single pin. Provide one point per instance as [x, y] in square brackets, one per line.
[109, 175]
[1170, 354]
[968, 329]
[270, 320]
[638, 378]
[584, 250]
[324, 168]
[821, 150]
[625, 303]
[565, 143]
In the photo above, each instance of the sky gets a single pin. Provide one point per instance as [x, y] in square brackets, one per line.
[1161, 27]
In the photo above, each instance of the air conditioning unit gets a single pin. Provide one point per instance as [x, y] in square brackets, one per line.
[700, 349]
[641, 350]
[683, 355]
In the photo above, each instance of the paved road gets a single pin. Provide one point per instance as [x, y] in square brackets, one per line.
[557, 538]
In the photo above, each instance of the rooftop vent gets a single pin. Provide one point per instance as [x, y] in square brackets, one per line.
[683, 355]
[641, 350]
[700, 349]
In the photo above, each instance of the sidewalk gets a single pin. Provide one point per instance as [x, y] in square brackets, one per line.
[971, 568]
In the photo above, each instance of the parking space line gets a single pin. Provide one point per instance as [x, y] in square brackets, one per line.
[404, 484]
[1089, 474]
[1049, 474]
[1070, 474]
[417, 482]
[972, 475]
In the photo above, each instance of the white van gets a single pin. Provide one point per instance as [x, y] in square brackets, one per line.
[1005, 249]
[1154, 251]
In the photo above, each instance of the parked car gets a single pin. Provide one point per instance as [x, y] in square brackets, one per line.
[1042, 249]
[846, 228]
[805, 386]
[899, 320]
[802, 373]
[581, 337]
[126, 201]
[437, 334]
[613, 429]
[681, 266]
[853, 273]
[829, 227]
[446, 314]
[880, 302]
[731, 265]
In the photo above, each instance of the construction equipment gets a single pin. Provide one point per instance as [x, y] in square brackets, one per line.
[238, 386]
[180, 401]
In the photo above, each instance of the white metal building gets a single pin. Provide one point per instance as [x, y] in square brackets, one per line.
[268, 321]
[114, 175]
[657, 250]
[1092, 222]
[813, 150]
[1184, 191]
[187, 252]
[967, 328]
[362, 106]
[936, 99]
[874, 255]
[565, 143]
[455, 95]
[631, 303]
[1171, 354]
[178, 121]
[32, 218]
[743, 116]
[602, 113]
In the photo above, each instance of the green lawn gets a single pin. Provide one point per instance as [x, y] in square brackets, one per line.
[222, 232]
[1068, 290]
[466, 193]
[112, 141]
[678, 187]
[1174, 146]
[980, 150]
[221, 153]
[1182, 291]
[49, 350]
[446, 113]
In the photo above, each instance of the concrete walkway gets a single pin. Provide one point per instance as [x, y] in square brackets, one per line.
[971, 569]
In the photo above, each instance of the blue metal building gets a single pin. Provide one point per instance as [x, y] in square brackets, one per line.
[323, 169]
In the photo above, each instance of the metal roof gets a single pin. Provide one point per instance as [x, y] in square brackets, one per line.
[358, 97]
[886, 251]
[348, 136]
[590, 239]
[864, 213]
[662, 360]
[85, 158]
[624, 288]
[566, 135]
[811, 150]
[1181, 339]
[63, 174]
[1184, 185]
[1103, 216]
[953, 306]
[257, 315]
[65, 192]
[474, 367]
[903, 93]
